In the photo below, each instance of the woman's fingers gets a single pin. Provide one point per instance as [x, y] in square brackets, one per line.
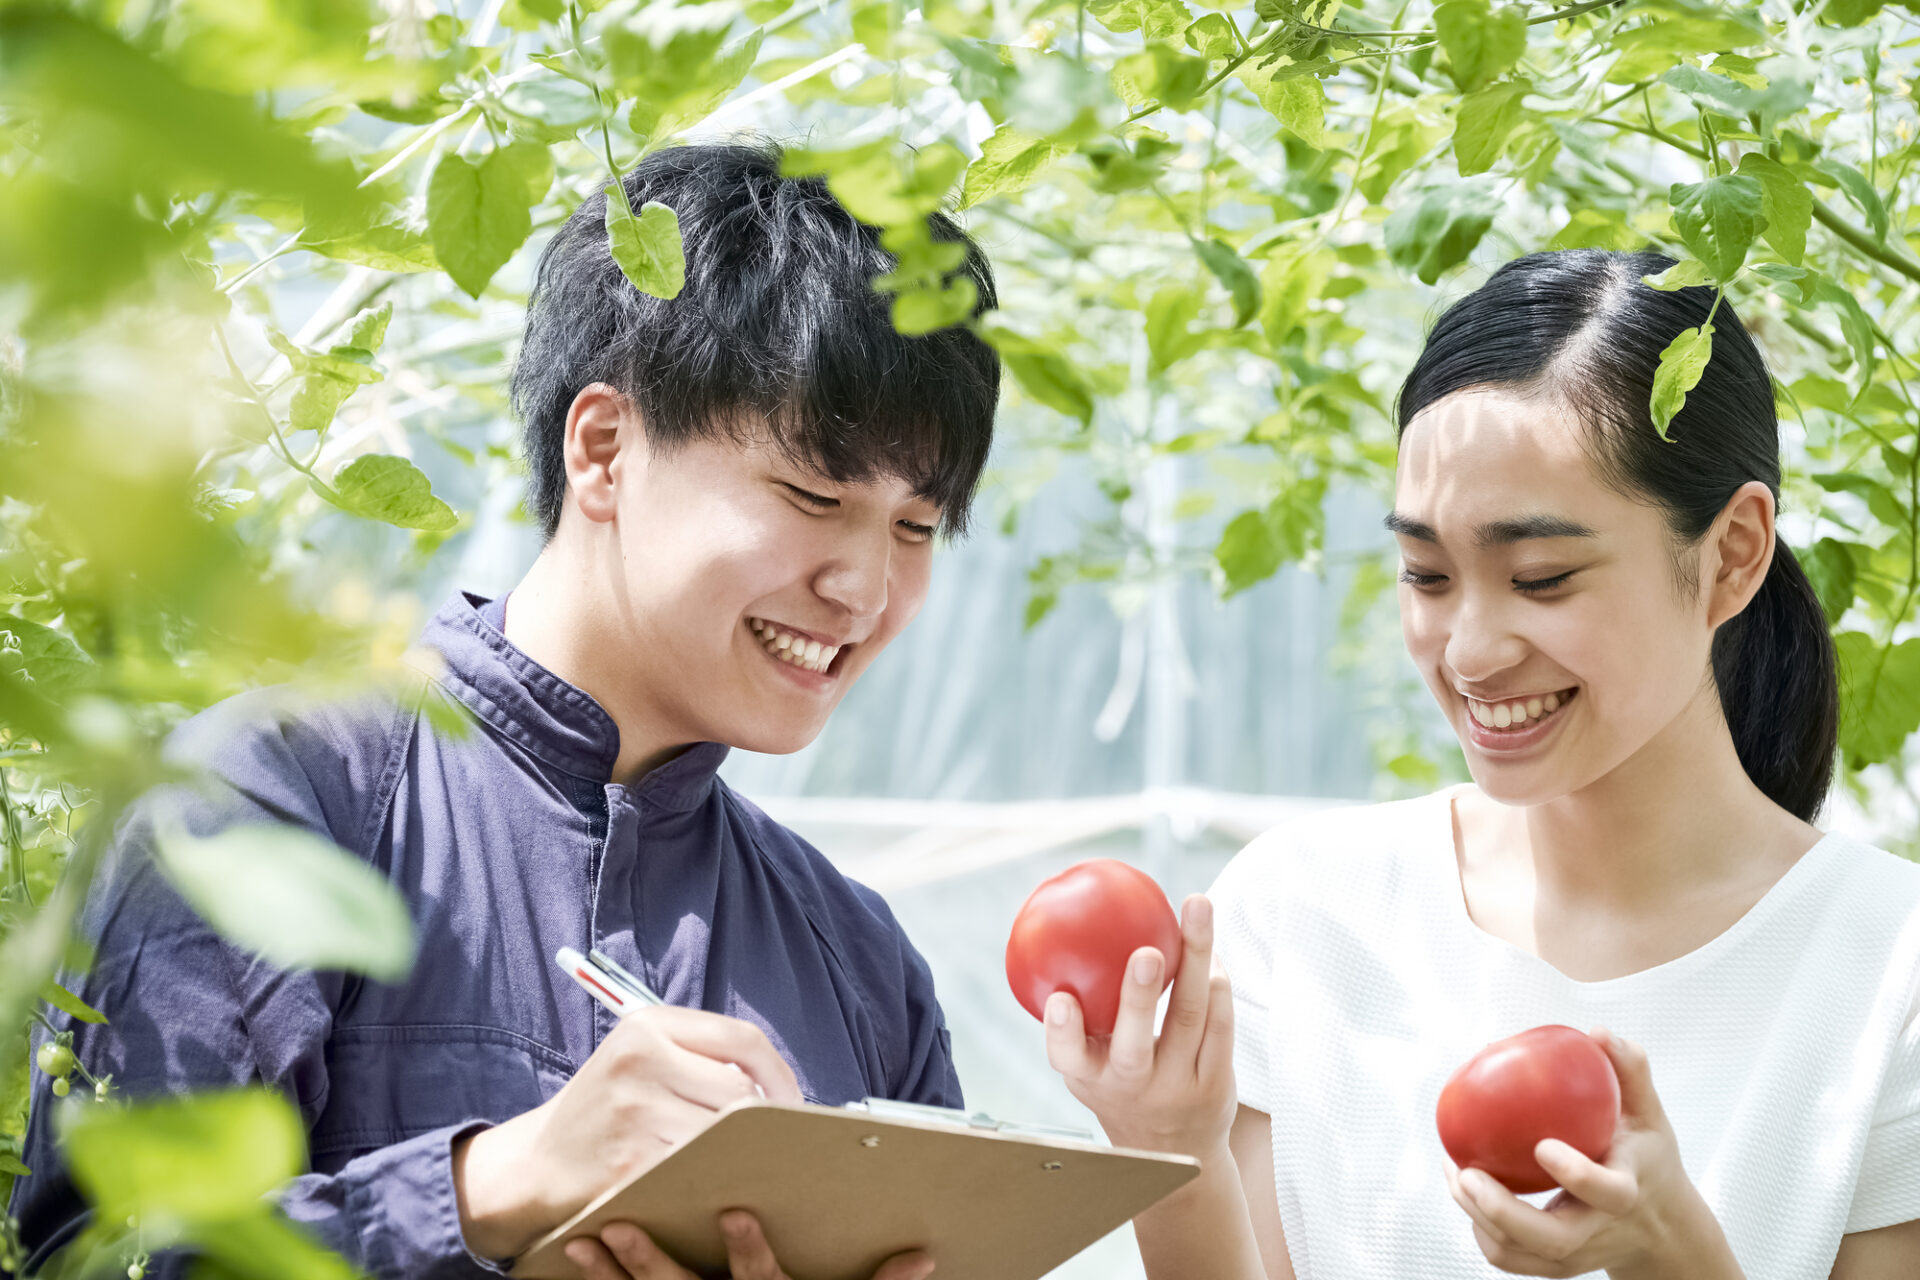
[1553, 1236]
[1068, 1050]
[1186, 1020]
[1638, 1100]
[1611, 1191]
[1130, 1053]
[1216, 1048]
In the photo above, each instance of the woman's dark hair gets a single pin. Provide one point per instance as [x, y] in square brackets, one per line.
[778, 328]
[1582, 325]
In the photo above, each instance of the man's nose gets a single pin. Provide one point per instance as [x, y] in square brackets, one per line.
[855, 577]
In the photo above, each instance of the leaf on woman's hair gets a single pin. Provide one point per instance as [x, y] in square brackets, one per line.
[1681, 365]
[1681, 275]
[1785, 202]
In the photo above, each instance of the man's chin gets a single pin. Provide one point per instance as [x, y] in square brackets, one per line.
[771, 740]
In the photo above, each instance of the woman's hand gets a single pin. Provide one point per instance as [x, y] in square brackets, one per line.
[1172, 1094]
[1637, 1217]
[625, 1252]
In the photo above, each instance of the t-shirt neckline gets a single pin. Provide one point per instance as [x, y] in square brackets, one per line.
[1770, 903]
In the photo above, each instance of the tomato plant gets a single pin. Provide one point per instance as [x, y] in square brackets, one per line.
[1075, 932]
[1549, 1082]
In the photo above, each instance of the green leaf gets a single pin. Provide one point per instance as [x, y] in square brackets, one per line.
[1481, 45]
[1879, 697]
[199, 1159]
[923, 310]
[1256, 543]
[1681, 275]
[1439, 229]
[478, 215]
[1043, 372]
[1681, 365]
[1159, 73]
[383, 487]
[1009, 162]
[10, 1165]
[47, 658]
[1861, 192]
[878, 183]
[1718, 220]
[1785, 202]
[1831, 569]
[70, 1004]
[1730, 97]
[1154, 19]
[294, 898]
[648, 247]
[1486, 119]
[1880, 500]
[1170, 339]
[1649, 51]
[1212, 37]
[264, 1246]
[1231, 270]
[1293, 95]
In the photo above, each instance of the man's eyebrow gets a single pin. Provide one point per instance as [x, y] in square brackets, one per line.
[1496, 533]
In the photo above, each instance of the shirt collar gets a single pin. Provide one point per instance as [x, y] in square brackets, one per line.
[558, 722]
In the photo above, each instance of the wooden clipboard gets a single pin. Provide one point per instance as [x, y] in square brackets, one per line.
[840, 1190]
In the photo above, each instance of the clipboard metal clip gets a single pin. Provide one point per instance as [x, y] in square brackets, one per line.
[890, 1107]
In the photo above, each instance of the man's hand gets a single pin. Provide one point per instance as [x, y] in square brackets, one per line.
[1636, 1216]
[653, 1083]
[623, 1252]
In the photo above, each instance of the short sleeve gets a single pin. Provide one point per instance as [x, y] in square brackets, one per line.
[1244, 900]
[1888, 1191]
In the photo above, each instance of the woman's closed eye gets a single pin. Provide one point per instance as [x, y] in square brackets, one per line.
[1531, 586]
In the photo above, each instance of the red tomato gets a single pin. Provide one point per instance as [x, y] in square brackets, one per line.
[1075, 932]
[1550, 1082]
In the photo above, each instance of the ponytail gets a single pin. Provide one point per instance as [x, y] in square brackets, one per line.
[1777, 674]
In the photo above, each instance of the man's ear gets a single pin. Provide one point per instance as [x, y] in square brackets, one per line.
[1740, 551]
[598, 429]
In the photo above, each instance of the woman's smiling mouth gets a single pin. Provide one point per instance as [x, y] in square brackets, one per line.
[1511, 724]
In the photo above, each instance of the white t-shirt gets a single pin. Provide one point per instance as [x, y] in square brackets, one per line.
[1786, 1051]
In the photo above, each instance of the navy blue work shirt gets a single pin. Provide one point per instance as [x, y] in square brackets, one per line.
[507, 843]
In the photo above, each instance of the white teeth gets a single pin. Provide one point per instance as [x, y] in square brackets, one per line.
[1519, 712]
[1480, 712]
[1551, 702]
[1534, 707]
[788, 647]
[1502, 717]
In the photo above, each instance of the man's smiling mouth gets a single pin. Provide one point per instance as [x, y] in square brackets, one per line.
[794, 648]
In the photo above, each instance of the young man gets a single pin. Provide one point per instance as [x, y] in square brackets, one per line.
[740, 488]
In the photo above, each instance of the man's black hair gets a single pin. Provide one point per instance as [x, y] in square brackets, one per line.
[778, 329]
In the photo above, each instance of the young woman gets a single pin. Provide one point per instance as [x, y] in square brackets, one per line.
[1644, 686]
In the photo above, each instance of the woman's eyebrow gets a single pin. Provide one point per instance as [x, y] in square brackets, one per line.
[1495, 533]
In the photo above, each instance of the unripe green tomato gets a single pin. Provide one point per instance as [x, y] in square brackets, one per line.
[56, 1060]
[61, 1087]
[136, 1271]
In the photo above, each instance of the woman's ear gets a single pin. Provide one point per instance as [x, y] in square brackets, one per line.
[592, 449]
[1740, 550]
